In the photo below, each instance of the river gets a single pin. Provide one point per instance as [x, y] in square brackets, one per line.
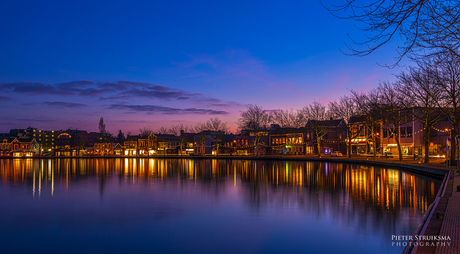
[206, 206]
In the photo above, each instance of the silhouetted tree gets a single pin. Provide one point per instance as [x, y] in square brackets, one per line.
[345, 108]
[289, 118]
[446, 71]
[318, 121]
[219, 129]
[201, 137]
[145, 131]
[393, 115]
[102, 125]
[420, 92]
[425, 27]
[176, 129]
[120, 136]
[369, 107]
[164, 130]
[254, 119]
[215, 124]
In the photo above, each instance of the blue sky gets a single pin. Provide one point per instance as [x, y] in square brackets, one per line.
[157, 63]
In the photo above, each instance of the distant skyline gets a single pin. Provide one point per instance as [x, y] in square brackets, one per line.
[152, 64]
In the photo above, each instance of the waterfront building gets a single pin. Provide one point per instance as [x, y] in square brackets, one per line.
[411, 135]
[22, 147]
[203, 141]
[66, 144]
[185, 143]
[75, 143]
[6, 146]
[332, 135]
[102, 149]
[242, 144]
[260, 138]
[45, 139]
[130, 145]
[228, 144]
[287, 141]
[167, 144]
[362, 142]
[117, 149]
[147, 144]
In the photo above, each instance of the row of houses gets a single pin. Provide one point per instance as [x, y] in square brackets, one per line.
[272, 141]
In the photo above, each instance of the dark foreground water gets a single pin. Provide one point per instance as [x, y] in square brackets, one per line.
[206, 206]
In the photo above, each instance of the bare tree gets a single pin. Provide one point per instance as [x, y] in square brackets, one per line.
[318, 121]
[420, 95]
[446, 71]
[164, 130]
[201, 137]
[215, 124]
[426, 27]
[176, 129]
[370, 108]
[289, 118]
[254, 119]
[345, 108]
[199, 127]
[393, 115]
[218, 129]
[145, 131]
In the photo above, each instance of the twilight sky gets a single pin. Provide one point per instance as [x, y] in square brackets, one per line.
[157, 63]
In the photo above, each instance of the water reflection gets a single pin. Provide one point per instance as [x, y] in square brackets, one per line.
[354, 199]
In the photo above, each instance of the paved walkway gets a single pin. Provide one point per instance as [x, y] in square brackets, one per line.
[451, 223]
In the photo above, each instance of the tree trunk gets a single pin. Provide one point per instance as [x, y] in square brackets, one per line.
[349, 149]
[398, 143]
[374, 145]
[427, 144]
[318, 142]
[349, 137]
[256, 144]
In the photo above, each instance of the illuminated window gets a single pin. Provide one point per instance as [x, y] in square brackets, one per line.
[403, 132]
[409, 132]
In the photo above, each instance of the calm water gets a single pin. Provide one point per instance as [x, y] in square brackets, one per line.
[206, 206]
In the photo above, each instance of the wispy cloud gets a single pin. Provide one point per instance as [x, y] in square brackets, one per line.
[31, 120]
[152, 109]
[64, 104]
[5, 98]
[106, 90]
[33, 88]
[160, 92]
